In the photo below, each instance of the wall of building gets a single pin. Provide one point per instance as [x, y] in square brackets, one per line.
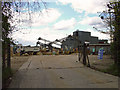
[103, 41]
[94, 40]
[106, 48]
[82, 36]
[72, 43]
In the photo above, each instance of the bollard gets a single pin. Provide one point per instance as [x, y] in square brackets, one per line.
[100, 53]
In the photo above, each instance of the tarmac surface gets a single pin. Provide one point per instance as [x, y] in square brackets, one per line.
[60, 71]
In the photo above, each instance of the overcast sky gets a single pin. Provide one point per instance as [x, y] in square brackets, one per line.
[61, 18]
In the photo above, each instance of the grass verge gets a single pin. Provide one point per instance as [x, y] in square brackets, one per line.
[6, 74]
[112, 69]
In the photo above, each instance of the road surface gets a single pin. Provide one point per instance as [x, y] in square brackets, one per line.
[60, 71]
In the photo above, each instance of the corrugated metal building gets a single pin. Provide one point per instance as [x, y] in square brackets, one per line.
[72, 41]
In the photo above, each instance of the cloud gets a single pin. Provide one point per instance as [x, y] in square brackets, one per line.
[35, 19]
[48, 16]
[90, 6]
[65, 24]
[93, 21]
[98, 34]
[31, 38]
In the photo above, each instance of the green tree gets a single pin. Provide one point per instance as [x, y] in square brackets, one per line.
[114, 8]
[112, 21]
[116, 23]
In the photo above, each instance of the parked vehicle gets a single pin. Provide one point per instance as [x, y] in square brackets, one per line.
[30, 50]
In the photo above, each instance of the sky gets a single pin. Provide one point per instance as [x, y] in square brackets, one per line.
[58, 19]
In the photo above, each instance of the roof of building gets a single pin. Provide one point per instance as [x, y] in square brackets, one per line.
[81, 31]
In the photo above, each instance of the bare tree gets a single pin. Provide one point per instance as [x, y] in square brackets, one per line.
[9, 11]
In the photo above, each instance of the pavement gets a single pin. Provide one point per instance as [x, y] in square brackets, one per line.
[60, 71]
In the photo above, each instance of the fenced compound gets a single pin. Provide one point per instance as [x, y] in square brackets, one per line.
[94, 48]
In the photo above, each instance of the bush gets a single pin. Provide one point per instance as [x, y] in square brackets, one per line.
[113, 69]
[6, 73]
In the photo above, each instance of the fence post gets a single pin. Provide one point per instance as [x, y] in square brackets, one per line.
[78, 52]
[84, 54]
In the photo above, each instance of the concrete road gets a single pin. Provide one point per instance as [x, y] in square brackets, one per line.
[60, 72]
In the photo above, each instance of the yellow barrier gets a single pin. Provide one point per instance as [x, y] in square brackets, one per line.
[39, 53]
[17, 54]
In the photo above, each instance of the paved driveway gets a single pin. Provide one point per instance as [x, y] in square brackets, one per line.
[60, 71]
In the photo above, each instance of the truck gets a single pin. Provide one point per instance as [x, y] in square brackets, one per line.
[30, 50]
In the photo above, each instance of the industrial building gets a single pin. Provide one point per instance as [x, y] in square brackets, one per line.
[79, 37]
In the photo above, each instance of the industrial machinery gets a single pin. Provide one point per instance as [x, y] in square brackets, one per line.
[29, 50]
[47, 46]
